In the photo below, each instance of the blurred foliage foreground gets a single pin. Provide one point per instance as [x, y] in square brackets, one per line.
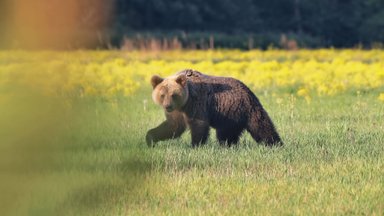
[56, 114]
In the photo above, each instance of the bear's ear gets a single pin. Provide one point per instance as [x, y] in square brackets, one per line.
[156, 80]
[182, 80]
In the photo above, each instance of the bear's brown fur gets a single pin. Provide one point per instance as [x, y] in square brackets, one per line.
[192, 99]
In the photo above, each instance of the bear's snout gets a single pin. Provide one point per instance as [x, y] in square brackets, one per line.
[169, 108]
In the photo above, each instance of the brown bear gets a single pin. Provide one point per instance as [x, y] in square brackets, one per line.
[199, 101]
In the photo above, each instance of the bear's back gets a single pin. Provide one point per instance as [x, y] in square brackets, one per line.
[225, 87]
[227, 99]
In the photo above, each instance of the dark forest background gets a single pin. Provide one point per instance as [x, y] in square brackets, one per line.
[244, 24]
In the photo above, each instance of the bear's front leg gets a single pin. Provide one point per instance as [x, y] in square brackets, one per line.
[164, 131]
[171, 128]
[199, 132]
[161, 132]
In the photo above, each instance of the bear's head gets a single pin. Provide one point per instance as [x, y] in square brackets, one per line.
[171, 92]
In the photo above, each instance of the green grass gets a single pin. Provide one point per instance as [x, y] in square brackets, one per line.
[95, 161]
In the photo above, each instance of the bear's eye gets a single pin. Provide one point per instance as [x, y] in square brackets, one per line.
[162, 96]
[174, 96]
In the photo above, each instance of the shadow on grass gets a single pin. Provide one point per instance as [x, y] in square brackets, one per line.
[104, 196]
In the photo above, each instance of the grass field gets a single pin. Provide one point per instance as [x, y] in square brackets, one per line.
[79, 152]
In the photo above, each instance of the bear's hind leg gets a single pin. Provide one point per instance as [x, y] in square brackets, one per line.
[261, 128]
[228, 137]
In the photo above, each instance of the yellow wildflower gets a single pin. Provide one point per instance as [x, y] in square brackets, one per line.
[381, 97]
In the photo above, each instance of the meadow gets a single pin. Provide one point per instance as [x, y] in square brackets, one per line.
[72, 128]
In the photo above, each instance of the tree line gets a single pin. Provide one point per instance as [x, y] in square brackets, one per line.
[195, 24]
[337, 23]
